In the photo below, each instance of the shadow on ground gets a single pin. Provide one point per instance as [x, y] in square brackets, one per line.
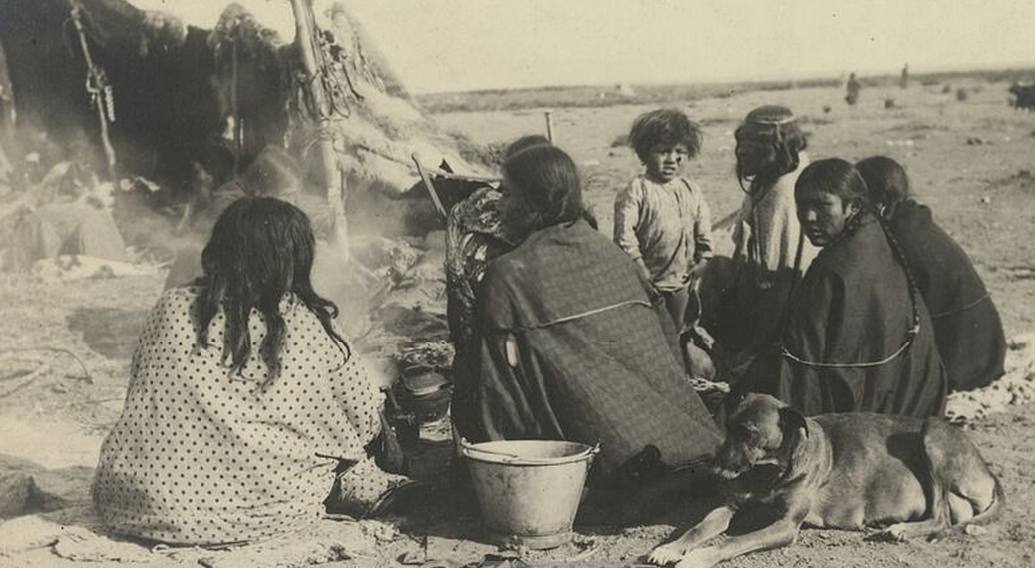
[112, 332]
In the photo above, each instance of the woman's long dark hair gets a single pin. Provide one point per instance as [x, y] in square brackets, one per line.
[261, 249]
[776, 127]
[887, 182]
[549, 182]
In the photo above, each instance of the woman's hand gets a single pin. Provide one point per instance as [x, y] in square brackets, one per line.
[696, 272]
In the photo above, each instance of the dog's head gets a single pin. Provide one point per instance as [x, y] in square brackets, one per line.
[760, 430]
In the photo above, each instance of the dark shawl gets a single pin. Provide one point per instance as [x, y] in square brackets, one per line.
[854, 307]
[967, 328]
[596, 362]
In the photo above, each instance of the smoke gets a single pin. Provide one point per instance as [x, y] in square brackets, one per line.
[174, 91]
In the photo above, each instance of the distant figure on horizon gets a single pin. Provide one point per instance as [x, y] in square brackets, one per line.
[904, 81]
[852, 89]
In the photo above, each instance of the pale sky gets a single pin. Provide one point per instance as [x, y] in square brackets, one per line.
[453, 45]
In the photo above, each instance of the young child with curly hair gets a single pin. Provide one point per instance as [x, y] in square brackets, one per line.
[661, 218]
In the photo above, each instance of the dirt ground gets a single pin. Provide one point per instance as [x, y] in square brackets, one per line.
[971, 160]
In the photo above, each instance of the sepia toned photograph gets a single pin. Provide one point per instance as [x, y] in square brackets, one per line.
[515, 284]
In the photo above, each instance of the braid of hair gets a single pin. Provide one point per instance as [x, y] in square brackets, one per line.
[900, 257]
[896, 249]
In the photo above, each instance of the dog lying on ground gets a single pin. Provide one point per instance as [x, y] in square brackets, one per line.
[845, 471]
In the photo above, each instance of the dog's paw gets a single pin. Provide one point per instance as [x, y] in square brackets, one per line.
[666, 554]
[894, 533]
[699, 558]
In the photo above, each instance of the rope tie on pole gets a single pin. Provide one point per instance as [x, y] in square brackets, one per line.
[102, 95]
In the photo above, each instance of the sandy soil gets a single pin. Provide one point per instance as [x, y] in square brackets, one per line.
[53, 416]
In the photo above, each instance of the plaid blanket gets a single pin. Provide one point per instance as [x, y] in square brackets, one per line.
[570, 347]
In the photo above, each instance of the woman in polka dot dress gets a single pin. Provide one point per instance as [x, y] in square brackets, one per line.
[242, 393]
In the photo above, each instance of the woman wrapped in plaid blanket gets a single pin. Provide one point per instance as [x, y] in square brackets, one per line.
[568, 342]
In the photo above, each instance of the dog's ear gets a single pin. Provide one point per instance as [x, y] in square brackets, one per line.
[791, 421]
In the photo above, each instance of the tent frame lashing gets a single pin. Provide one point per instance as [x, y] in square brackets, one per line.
[314, 69]
[102, 96]
[235, 110]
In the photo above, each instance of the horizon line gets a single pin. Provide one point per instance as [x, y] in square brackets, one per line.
[1018, 67]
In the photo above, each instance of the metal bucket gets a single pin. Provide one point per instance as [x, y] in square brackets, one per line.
[529, 490]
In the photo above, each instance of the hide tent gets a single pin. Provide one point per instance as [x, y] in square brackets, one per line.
[191, 108]
[179, 98]
[162, 103]
[194, 107]
[374, 128]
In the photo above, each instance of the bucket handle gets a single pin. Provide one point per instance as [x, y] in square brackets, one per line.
[467, 449]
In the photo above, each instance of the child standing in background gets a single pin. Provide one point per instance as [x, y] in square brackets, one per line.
[661, 218]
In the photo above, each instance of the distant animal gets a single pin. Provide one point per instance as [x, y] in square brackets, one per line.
[1023, 95]
[847, 471]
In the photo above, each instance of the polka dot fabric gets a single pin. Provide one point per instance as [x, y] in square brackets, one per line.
[203, 454]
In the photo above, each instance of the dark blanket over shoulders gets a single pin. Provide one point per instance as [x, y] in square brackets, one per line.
[593, 360]
[967, 328]
[854, 307]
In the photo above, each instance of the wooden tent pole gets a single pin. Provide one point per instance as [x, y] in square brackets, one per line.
[333, 177]
[429, 186]
[99, 89]
[235, 112]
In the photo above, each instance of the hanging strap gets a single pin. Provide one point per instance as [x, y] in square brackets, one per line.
[580, 315]
[910, 335]
[962, 309]
[102, 96]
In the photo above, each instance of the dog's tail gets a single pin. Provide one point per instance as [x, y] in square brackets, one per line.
[965, 463]
[994, 509]
[990, 514]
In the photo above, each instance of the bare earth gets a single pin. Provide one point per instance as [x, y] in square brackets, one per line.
[53, 419]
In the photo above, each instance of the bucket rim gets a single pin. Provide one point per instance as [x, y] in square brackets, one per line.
[468, 450]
